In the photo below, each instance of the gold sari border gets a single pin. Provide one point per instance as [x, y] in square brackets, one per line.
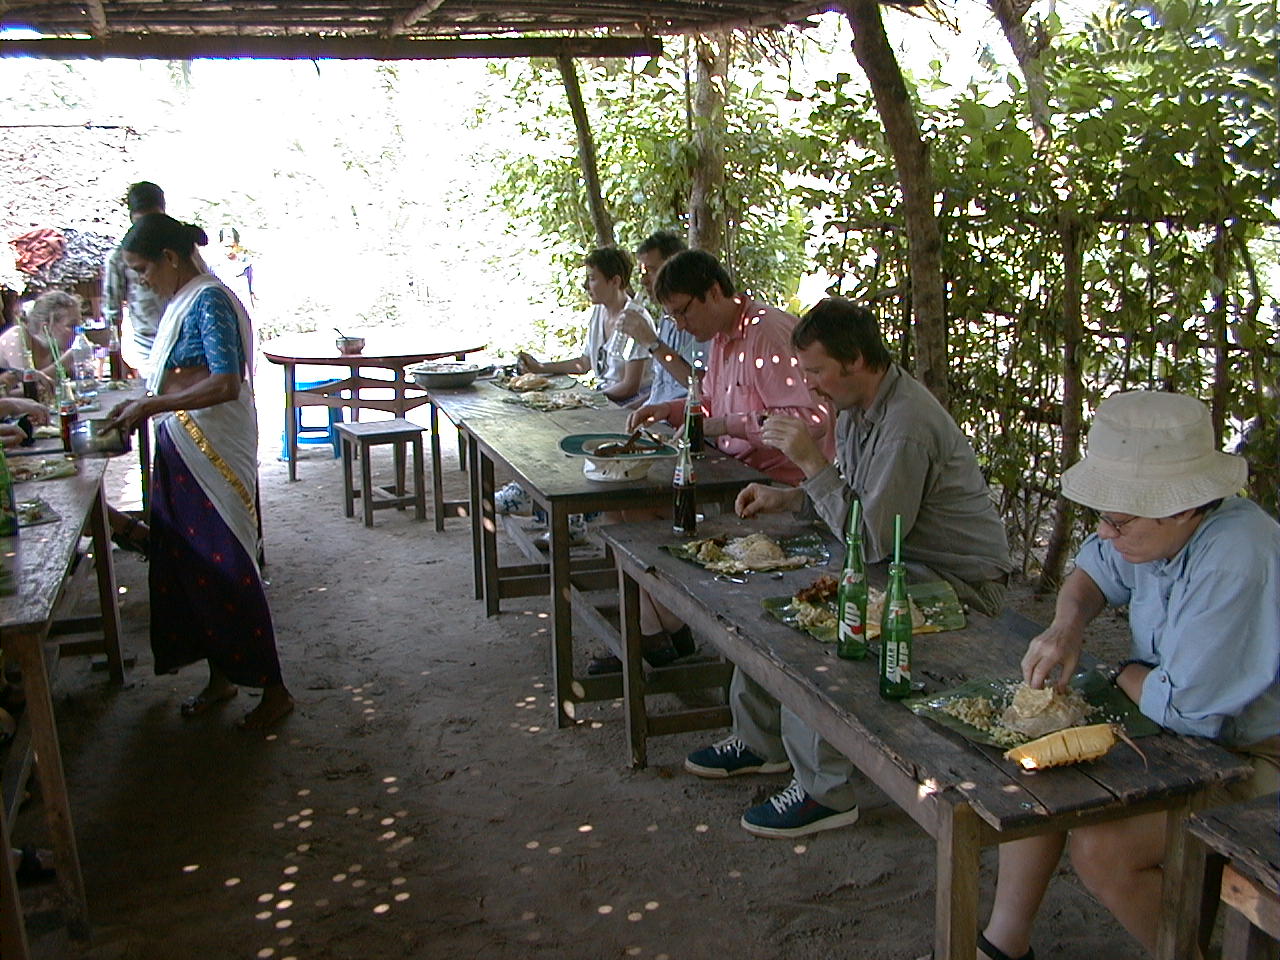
[198, 437]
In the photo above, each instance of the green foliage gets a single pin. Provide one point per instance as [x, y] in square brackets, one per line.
[643, 129]
[1163, 116]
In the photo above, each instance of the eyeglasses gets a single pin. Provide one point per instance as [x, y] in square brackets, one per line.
[680, 313]
[1117, 526]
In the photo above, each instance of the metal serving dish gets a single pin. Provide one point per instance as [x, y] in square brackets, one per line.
[438, 374]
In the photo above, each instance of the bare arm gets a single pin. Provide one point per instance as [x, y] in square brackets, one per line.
[531, 364]
[1058, 648]
[208, 391]
[629, 385]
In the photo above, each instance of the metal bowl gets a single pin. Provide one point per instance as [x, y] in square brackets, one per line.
[441, 374]
[349, 346]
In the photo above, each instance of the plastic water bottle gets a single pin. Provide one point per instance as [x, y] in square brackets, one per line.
[100, 358]
[81, 356]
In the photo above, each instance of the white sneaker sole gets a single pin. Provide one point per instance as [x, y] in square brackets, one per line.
[846, 819]
[719, 773]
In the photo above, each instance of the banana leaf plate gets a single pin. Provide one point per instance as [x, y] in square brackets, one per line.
[1110, 703]
[937, 601]
[807, 545]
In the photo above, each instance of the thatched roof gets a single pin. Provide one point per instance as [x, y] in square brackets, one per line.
[69, 178]
[382, 29]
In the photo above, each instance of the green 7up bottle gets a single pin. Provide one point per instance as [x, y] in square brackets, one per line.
[895, 627]
[851, 598]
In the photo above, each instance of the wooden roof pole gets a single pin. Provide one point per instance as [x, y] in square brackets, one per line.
[402, 23]
[98, 17]
[169, 47]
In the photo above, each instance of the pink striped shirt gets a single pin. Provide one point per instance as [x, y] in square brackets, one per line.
[751, 370]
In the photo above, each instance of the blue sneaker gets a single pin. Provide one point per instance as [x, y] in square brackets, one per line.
[730, 758]
[793, 813]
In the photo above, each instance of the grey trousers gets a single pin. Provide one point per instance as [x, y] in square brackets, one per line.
[775, 733]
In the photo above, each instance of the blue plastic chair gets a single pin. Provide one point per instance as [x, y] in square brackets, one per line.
[318, 433]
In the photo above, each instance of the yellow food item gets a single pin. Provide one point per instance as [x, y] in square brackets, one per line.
[875, 610]
[1034, 713]
[1072, 745]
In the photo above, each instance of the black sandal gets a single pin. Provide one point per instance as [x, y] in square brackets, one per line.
[995, 953]
[132, 540]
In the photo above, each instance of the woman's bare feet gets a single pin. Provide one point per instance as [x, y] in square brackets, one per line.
[276, 704]
[218, 690]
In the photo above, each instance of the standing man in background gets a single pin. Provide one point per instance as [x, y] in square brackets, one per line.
[122, 288]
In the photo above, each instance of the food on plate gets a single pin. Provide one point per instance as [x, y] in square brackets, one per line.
[44, 469]
[528, 381]
[632, 445]
[756, 552]
[820, 591]
[1034, 713]
[47, 431]
[553, 401]
[1072, 745]
[984, 714]
[34, 511]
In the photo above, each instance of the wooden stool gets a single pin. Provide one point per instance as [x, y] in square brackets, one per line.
[368, 435]
[1245, 835]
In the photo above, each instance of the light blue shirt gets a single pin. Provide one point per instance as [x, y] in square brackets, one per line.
[1209, 618]
[665, 387]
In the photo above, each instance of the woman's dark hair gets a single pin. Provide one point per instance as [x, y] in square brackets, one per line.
[611, 262]
[846, 331]
[155, 233]
[665, 242]
[693, 273]
[144, 197]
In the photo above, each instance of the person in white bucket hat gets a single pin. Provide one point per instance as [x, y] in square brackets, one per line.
[1199, 568]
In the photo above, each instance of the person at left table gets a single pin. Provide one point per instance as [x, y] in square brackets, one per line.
[48, 327]
[621, 376]
[207, 596]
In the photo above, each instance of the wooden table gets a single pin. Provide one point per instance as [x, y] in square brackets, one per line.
[1245, 835]
[40, 559]
[390, 350]
[107, 401]
[964, 796]
[525, 441]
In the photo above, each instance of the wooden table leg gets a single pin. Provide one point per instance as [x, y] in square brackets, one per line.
[290, 420]
[633, 672]
[488, 523]
[955, 916]
[106, 577]
[437, 481]
[13, 930]
[366, 482]
[473, 494]
[1180, 893]
[53, 785]
[561, 614]
[419, 481]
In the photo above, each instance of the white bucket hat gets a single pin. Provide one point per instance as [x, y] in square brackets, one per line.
[1152, 455]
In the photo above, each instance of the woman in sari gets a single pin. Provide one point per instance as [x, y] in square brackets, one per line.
[207, 598]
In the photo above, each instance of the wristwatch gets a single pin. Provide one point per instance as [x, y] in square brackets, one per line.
[1113, 673]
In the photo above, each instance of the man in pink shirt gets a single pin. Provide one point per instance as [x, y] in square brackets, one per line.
[752, 373]
[752, 369]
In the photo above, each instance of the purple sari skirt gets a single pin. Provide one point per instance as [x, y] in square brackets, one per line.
[207, 601]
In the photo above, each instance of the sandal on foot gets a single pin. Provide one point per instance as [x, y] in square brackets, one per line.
[133, 538]
[201, 702]
[995, 953]
[31, 866]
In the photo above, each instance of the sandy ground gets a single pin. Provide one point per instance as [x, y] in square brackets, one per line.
[421, 803]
